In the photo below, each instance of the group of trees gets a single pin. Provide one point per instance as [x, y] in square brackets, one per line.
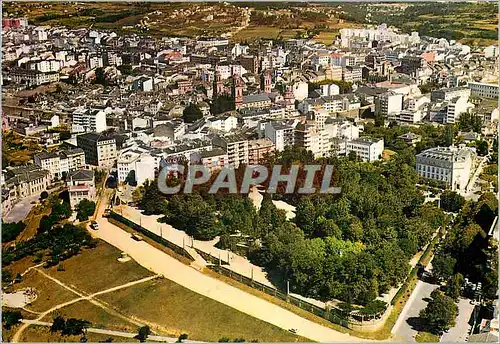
[191, 113]
[470, 122]
[60, 210]
[10, 231]
[85, 209]
[69, 327]
[440, 313]
[11, 318]
[466, 251]
[351, 246]
[58, 243]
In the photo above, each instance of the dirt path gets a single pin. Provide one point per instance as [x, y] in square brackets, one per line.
[114, 333]
[83, 297]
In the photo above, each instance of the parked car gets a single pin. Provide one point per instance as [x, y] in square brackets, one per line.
[136, 237]
[94, 225]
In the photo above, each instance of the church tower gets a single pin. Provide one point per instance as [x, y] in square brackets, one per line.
[289, 99]
[266, 82]
[238, 91]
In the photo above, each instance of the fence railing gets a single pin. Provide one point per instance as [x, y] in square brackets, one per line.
[211, 258]
[174, 247]
[332, 315]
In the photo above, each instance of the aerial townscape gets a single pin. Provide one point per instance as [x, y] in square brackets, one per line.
[107, 105]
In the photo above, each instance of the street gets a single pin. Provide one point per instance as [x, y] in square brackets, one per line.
[406, 326]
[20, 210]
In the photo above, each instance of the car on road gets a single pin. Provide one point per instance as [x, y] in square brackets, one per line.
[136, 237]
[293, 330]
[106, 212]
[94, 225]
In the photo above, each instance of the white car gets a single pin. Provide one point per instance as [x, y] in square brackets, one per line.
[94, 225]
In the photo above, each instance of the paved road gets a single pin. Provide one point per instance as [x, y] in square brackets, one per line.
[114, 333]
[404, 329]
[459, 332]
[163, 264]
[20, 210]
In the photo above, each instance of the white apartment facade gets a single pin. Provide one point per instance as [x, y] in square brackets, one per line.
[483, 90]
[280, 134]
[451, 165]
[89, 120]
[367, 149]
[143, 164]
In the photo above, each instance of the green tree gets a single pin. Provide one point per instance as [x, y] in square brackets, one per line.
[482, 147]
[74, 327]
[454, 285]
[440, 314]
[182, 337]
[10, 231]
[451, 201]
[100, 77]
[143, 333]
[58, 324]
[192, 113]
[11, 318]
[85, 209]
[443, 266]
[305, 216]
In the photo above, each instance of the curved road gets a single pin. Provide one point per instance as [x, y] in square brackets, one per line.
[163, 264]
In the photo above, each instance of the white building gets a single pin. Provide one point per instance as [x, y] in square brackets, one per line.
[60, 163]
[280, 134]
[451, 165]
[236, 147]
[388, 103]
[455, 108]
[89, 120]
[367, 149]
[225, 123]
[484, 90]
[81, 185]
[142, 163]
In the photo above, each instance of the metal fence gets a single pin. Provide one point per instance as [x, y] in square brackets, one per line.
[174, 247]
[331, 315]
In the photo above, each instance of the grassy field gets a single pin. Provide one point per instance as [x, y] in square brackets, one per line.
[326, 37]
[42, 334]
[96, 315]
[255, 32]
[426, 337]
[98, 269]
[49, 293]
[16, 150]
[172, 307]
[183, 311]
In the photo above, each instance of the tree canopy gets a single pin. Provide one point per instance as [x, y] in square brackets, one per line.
[191, 113]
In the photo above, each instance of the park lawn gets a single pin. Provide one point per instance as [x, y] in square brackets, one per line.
[426, 337]
[99, 317]
[49, 292]
[255, 32]
[38, 334]
[98, 269]
[183, 311]
[20, 266]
